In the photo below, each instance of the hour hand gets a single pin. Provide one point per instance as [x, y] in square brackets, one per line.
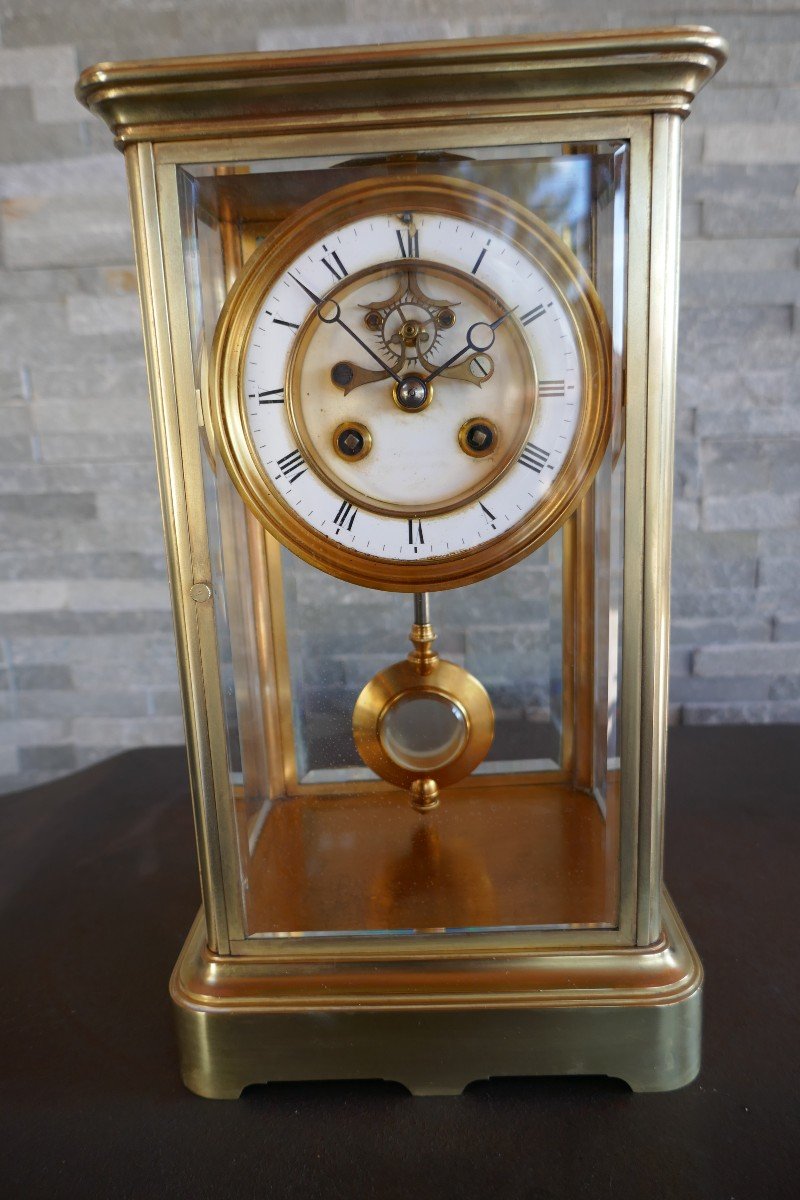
[349, 375]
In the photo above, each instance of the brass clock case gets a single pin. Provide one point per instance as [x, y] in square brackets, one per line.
[424, 194]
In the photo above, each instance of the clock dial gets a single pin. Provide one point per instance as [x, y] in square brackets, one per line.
[410, 383]
[414, 318]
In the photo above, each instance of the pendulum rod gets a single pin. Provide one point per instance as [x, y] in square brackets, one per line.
[422, 636]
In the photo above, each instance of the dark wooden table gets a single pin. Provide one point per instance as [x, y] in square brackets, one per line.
[98, 888]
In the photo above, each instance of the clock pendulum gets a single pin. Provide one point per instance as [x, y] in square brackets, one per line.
[423, 722]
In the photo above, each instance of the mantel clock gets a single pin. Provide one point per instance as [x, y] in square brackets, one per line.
[410, 323]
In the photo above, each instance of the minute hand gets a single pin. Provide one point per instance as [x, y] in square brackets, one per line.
[480, 337]
[333, 316]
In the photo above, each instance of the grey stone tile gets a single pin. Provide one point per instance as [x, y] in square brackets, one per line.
[14, 448]
[11, 388]
[64, 231]
[9, 769]
[66, 565]
[691, 689]
[148, 670]
[52, 677]
[779, 573]
[687, 469]
[48, 504]
[713, 256]
[755, 143]
[86, 625]
[711, 603]
[745, 712]
[748, 104]
[84, 596]
[726, 288]
[128, 703]
[748, 24]
[78, 447]
[787, 629]
[47, 758]
[112, 314]
[68, 177]
[727, 630]
[27, 534]
[128, 731]
[759, 510]
[691, 218]
[16, 421]
[785, 687]
[704, 560]
[164, 702]
[745, 659]
[25, 138]
[79, 477]
[686, 514]
[732, 467]
[35, 732]
[765, 213]
[760, 62]
[25, 64]
[94, 419]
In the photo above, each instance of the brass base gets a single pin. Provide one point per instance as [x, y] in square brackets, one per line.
[435, 1026]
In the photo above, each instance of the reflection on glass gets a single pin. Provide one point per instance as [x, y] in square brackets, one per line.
[422, 733]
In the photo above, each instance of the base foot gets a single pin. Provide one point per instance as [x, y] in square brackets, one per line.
[631, 1013]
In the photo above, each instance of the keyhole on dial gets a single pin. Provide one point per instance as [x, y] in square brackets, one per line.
[478, 437]
[352, 441]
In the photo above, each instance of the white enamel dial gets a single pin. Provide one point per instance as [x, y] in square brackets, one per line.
[414, 381]
[415, 463]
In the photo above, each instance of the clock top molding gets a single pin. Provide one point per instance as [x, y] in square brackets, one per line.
[631, 72]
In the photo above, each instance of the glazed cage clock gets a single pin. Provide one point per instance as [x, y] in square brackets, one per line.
[410, 326]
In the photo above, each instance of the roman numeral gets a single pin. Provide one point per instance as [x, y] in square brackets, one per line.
[410, 247]
[552, 387]
[415, 537]
[479, 259]
[533, 315]
[292, 465]
[533, 457]
[337, 267]
[345, 516]
[275, 396]
[288, 324]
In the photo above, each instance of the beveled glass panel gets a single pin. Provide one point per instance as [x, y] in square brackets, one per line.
[531, 840]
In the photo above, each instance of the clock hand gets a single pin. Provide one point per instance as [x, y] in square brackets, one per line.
[349, 375]
[476, 369]
[480, 338]
[330, 312]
